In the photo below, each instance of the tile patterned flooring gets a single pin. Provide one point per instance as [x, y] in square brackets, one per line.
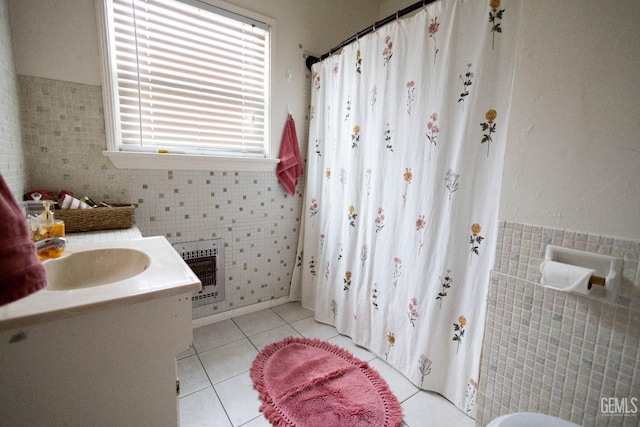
[216, 389]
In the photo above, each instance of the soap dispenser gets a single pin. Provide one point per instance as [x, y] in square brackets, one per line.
[44, 226]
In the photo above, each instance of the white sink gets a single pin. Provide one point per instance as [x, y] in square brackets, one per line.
[95, 276]
[94, 268]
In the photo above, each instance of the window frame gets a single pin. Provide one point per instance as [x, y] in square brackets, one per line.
[149, 160]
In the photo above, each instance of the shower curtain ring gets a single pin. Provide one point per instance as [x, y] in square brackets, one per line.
[397, 17]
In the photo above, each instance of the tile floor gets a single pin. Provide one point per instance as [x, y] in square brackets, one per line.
[216, 389]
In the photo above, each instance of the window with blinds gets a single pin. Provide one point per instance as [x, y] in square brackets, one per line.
[188, 77]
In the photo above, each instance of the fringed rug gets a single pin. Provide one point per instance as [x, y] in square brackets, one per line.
[309, 383]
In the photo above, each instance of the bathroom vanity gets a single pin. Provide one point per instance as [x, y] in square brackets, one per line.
[99, 354]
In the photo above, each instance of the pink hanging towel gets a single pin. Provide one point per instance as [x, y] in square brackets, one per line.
[21, 273]
[290, 167]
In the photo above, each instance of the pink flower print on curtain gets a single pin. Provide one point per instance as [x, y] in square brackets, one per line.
[472, 391]
[413, 312]
[433, 29]
[420, 223]
[411, 95]
[313, 211]
[387, 53]
[432, 132]
[379, 222]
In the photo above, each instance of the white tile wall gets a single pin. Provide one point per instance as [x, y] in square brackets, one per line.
[552, 352]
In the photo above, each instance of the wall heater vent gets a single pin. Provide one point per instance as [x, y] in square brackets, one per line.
[206, 259]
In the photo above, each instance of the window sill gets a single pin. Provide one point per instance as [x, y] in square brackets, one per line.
[129, 160]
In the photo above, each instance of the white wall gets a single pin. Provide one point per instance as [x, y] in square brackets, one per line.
[573, 158]
[56, 40]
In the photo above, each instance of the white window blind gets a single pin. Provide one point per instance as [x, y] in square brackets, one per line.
[190, 78]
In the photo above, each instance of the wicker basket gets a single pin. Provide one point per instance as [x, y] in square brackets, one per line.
[75, 220]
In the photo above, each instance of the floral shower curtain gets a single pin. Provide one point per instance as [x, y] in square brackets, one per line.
[408, 128]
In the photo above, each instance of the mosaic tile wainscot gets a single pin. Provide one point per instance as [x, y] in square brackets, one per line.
[258, 221]
[554, 352]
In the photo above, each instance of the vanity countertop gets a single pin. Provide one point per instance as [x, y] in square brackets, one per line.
[166, 276]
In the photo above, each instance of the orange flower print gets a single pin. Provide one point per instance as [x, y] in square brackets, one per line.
[458, 330]
[328, 173]
[489, 127]
[355, 136]
[475, 229]
[432, 132]
[391, 339]
[475, 239]
[358, 62]
[352, 215]
[347, 281]
[408, 177]
[495, 16]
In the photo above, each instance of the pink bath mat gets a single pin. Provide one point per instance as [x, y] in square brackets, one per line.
[311, 383]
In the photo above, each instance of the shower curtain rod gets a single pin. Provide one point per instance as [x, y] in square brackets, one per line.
[313, 59]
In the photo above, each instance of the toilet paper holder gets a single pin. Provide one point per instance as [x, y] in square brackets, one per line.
[608, 269]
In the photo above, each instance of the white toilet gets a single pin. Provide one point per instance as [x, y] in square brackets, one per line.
[530, 419]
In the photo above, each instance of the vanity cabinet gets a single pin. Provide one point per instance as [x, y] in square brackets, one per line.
[110, 367]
